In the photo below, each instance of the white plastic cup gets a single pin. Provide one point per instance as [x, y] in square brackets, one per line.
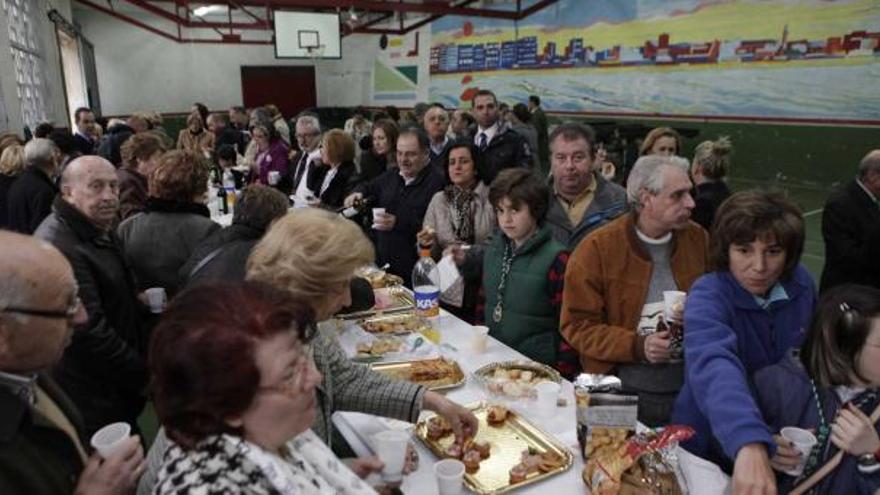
[157, 299]
[377, 212]
[449, 473]
[479, 339]
[391, 450]
[109, 438]
[670, 299]
[274, 177]
[548, 394]
[803, 441]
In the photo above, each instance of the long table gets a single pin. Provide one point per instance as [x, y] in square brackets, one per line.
[702, 477]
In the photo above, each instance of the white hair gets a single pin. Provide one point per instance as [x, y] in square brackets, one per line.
[870, 163]
[647, 173]
[40, 153]
[311, 121]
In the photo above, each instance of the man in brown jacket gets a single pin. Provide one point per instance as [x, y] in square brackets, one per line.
[615, 280]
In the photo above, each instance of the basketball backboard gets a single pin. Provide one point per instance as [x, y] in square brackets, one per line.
[306, 35]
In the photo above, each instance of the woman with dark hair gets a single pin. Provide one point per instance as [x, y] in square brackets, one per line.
[272, 156]
[382, 154]
[158, 241]
[459, 214]
[234, 385]
[738, 319]
[201, 110]
[524, 268]
[831, 388]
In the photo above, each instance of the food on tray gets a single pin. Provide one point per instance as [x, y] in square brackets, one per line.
[380, 278]
[481, 447]
[432, 369]
[533, 462]
[514, 382]
[378, 347]
[471, 460]
[436, 374]
[603, 441]
[394, 324]
[496, 415]
[438, 427]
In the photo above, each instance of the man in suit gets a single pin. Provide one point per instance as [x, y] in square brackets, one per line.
[85, 119]
[42, 448]
[308, 137]
[498, 146]
[851, 229]
[30, 196]
[539, 120]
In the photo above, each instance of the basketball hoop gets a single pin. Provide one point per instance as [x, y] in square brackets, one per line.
[315, 52]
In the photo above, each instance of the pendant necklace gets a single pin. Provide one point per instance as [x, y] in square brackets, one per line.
[509, 255]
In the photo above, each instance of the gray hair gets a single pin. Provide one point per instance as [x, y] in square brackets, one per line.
[647, 173]
[40, 153]
[870, 163]
[309, 120]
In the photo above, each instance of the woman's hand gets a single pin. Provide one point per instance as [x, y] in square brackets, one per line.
[364, 466]
[457, 252]
[426, 237]
[787, 457]
[854, 433]
[464, 423]
[751, 472]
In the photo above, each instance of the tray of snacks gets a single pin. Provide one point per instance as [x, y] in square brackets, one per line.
[376, 349]
[436, 374]
[515, 379]
[379, 278]
[395, 324]
[388, 300]
[506, 453]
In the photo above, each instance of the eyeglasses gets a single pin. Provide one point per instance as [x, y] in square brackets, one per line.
[292, 385]
[66, 314]
[306, 135]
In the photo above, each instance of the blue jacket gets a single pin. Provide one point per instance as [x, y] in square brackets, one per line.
[785, 397]
[727, 338]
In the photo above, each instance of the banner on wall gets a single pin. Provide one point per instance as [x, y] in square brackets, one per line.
[396, 70]
[765, 59]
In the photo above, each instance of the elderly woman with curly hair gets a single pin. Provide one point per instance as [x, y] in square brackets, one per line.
[158, 241]
[312, 254]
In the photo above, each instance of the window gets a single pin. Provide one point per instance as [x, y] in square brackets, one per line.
[29, 57]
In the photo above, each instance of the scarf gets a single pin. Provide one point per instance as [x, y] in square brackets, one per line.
[460, 201]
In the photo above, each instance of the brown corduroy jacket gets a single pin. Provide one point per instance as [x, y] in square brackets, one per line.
[606, 283]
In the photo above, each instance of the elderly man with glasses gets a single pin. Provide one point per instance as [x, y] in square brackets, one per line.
[42, 442]
[103, 371]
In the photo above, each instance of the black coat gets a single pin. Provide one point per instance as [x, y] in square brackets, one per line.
[110, 146]
[85, 146]
[507, 149]
[5, 183]
[851, 229]
[103, 370]
[440, 161]
[372, 166]
[236, 139]
[30, 200]
[709, 197]
[222, 256]
[35, 456]
[408, 203]
[340, 186]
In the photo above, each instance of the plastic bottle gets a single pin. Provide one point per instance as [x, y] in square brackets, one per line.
[426, 285]
[229, 188]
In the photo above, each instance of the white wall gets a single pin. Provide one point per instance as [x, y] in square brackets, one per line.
[140, 70]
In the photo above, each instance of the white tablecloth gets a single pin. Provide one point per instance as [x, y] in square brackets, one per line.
[703, 477]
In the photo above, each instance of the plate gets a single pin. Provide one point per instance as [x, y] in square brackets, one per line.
[492, 378]
[506, 444]
[452, 376]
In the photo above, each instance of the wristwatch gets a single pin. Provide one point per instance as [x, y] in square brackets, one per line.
[869, 463]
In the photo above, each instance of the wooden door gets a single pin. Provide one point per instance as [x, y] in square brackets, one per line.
[290, 88]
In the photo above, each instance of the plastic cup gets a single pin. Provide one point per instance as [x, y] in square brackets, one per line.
[672, 298]
[479, 339]
[109, 438]
[391, 449]
[548, 394]
[449, 473]
[274, 177]
[803, 441]
[157, 299]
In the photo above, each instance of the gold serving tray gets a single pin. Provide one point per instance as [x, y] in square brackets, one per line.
[401, 371]
[401, 300]
[394, 319]
[506, 443]
[541, 371]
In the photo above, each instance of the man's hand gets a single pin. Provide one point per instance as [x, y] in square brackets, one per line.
[116, 475]
[787, 457]
[464, 423]
[751, 472]
[657, 347]
[384, 222]
[351, 198]
[854, 433]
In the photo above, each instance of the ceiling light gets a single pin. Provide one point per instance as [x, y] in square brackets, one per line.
[209, 9]
[352, 15]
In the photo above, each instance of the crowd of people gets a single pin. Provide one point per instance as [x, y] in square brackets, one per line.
[562, 253]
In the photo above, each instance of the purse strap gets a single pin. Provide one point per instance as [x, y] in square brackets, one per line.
[829, 466]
